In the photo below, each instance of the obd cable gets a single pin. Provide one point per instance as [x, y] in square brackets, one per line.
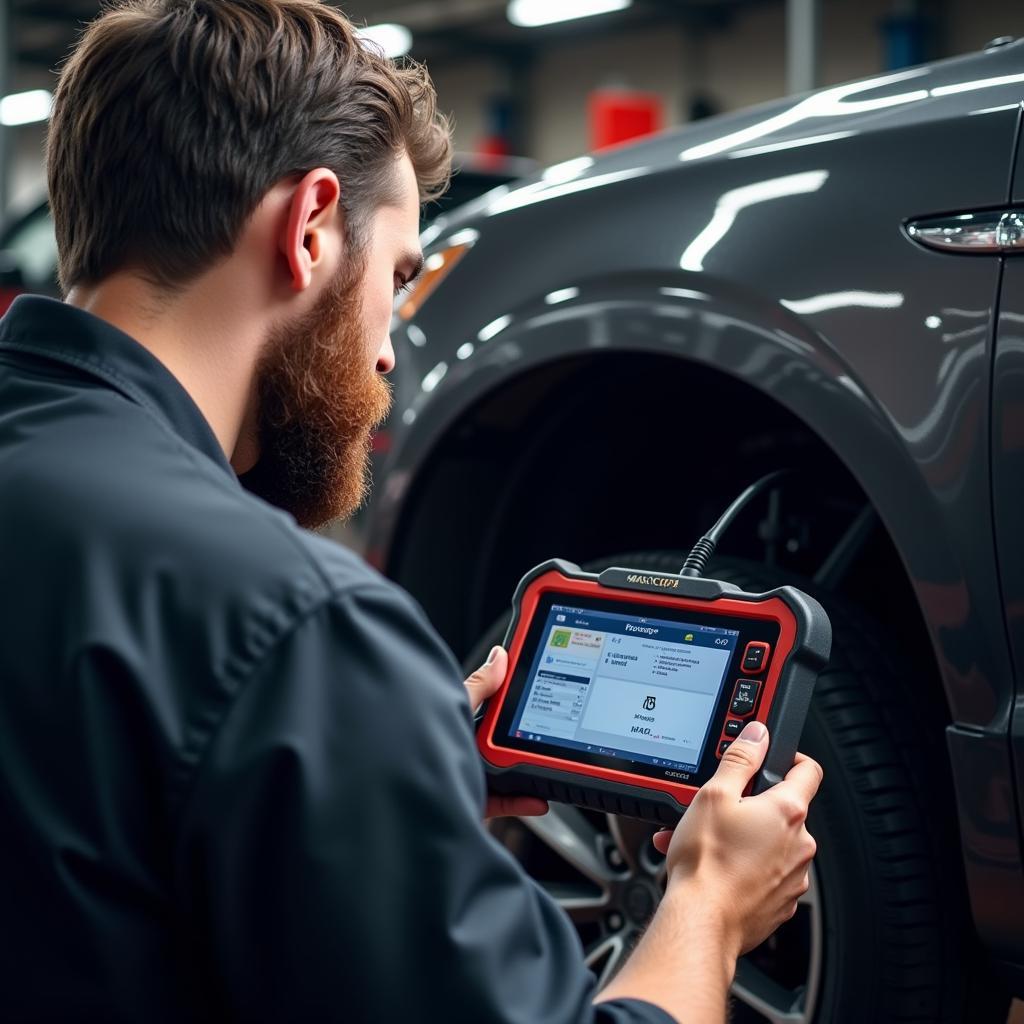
[698, 557]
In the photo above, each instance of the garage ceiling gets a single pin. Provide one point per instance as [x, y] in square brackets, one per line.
[44, 30]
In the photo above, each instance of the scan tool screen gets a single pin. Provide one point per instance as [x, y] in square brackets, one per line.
[607, 683]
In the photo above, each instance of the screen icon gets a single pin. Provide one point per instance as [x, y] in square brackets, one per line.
[561, 638]
[688, 637]
[559, 618]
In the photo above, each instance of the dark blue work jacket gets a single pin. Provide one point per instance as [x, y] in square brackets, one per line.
[237, 774]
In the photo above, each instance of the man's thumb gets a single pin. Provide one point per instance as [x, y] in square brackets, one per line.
[743, 757]
[487, 679]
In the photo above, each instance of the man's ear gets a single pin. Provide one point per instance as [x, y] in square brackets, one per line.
[312, 215]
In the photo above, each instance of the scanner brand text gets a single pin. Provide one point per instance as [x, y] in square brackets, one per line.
[653, 581]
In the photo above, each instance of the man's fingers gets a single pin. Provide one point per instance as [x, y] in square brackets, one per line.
[805, 776]
[661, 840]
[486, 680]
[742, 759]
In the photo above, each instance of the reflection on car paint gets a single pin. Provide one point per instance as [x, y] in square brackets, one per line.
[732, 202]
[840, 300]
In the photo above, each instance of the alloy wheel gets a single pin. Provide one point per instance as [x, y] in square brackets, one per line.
[606, 875]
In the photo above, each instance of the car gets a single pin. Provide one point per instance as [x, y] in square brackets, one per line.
[600, 357]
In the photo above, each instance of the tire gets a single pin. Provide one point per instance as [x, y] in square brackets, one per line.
[887, 937]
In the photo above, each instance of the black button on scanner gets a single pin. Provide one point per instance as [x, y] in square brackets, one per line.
[755, 657]
[733, 727]
[744, 697]
[724, 746]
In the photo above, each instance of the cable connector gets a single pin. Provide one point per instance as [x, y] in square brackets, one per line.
[697, 559]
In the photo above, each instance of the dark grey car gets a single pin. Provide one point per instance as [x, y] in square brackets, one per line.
[618, 344]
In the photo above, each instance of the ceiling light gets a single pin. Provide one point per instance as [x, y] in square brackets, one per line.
[25, 107]
[394, 40]
[532, 13]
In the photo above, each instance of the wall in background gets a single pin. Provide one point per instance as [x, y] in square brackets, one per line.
[734, 67]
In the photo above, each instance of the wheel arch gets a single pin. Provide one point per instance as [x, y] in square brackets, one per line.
[714, 359]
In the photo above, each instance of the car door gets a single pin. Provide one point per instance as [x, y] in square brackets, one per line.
[1008, 454]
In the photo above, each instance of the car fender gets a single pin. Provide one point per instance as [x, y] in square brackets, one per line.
[762, 344]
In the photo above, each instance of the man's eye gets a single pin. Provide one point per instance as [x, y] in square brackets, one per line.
[401, 285]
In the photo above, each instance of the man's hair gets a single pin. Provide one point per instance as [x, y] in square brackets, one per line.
[174, 118]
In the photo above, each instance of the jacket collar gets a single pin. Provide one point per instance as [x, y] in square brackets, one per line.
[53, 330]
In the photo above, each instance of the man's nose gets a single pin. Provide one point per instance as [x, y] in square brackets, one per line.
[386, 356]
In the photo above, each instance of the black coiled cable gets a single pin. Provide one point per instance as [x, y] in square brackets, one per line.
[698, 557]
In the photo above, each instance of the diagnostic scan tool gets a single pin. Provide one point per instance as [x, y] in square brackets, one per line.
[624, 689]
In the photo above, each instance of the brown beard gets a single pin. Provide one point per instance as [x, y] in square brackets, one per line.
[319, 402]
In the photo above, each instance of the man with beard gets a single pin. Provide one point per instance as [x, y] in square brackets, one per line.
[238, 776]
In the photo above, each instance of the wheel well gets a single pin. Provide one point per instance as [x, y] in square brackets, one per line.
[599, 454]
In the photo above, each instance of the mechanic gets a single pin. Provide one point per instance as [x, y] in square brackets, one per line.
[238, 772]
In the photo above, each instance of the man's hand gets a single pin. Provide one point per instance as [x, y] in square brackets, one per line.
[484, 683]
[749, 856]
[736, 867]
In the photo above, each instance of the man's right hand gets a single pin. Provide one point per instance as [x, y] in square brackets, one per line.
[748, 856]
[736, 867]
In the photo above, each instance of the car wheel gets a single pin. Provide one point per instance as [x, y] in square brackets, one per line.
[882, 934]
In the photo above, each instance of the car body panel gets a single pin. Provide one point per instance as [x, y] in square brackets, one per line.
[770, 245]
[868, 306]
[1008, 486]
[1017, 184]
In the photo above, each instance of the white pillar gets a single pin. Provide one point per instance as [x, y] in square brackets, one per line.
[803, 24]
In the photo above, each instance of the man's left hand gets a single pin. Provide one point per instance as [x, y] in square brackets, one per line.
[484, 683]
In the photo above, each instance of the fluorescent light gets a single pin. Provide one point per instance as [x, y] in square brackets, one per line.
[394, 40]
[25, 107]
[533, 13]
